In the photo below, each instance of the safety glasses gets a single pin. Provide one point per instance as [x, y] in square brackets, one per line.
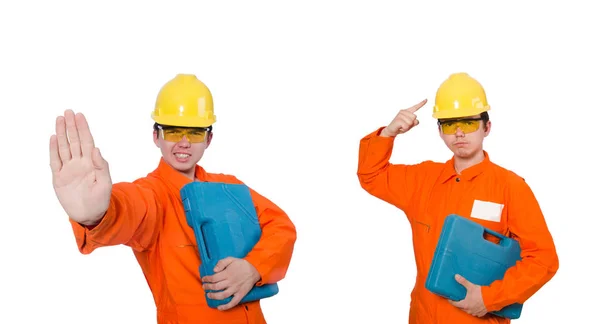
[466, 125]
[176, 134]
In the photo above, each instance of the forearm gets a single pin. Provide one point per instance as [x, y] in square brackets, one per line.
[392, 183]
[129, 219]
[373, 160]
[272, 254]
[521, 281]
[539, 260]
[94, 221]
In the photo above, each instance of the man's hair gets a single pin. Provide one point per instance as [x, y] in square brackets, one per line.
[485, 117]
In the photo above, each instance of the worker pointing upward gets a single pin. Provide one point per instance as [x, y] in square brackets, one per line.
[147, 214]
[469, 184]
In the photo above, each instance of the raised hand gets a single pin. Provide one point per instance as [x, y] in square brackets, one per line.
[404, 121]
[80, 175]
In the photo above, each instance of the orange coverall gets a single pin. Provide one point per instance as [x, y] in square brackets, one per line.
[427, 192]
[147, 215]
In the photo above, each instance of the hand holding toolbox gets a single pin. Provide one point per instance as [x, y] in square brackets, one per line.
[225, 224]
[462, 249]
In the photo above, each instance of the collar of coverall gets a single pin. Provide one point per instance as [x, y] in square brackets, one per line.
[467, 174]
[175, 178]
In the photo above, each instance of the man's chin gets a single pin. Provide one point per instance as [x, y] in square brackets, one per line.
[462, 153]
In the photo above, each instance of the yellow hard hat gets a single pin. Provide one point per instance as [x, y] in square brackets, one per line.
[184, 101]
[459, 96]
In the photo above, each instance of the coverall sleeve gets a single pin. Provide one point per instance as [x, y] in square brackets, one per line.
[539, 262]
[392, 183]
[272, 254]
[131, 219]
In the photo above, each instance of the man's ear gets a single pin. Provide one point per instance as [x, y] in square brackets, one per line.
[209, 139]
[488, 127]
[155, 138]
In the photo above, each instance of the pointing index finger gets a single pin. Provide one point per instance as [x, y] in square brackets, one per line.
[416, 107]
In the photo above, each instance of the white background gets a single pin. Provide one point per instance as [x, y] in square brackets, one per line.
[296, 86]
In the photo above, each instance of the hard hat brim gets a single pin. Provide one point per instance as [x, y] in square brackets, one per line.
[462, 112]
[182, 121]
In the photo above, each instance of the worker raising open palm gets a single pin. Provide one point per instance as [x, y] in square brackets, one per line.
[148, 214]
[80, 175]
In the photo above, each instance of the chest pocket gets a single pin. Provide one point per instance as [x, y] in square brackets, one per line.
[492, 216]
[487, 210]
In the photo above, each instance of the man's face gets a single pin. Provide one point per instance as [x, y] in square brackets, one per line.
[464, 136]
[182, 147]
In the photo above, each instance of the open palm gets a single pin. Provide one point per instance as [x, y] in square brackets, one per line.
[80, 175]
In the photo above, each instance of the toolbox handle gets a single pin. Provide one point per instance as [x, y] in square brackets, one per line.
[503, 239]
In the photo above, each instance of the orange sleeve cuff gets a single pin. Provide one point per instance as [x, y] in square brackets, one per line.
[374, 150]
[88, 237]
[487, 295]
[376, 138]
[263, 272]
[272, 254]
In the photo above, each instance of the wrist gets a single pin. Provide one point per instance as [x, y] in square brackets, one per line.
[90, 222]
[255, 274]
[93, 221]
[256, 277]
[487, 299]
[385, 133]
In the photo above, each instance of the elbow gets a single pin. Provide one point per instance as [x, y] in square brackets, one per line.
[287, 237]
[550, 265]
[370, 179]
[551, 268]
[291, 239]
[362, 178]
[366, 182]
[552, 261]
[554, 264]
[289, 245]
[284, 259]
[293, 235]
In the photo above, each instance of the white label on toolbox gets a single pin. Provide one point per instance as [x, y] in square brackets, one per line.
[487, 210]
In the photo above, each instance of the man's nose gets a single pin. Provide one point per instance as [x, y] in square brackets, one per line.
[184, 142]
[459, 132]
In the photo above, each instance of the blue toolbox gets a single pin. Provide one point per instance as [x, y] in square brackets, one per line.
[225, 224]
[463, 249]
